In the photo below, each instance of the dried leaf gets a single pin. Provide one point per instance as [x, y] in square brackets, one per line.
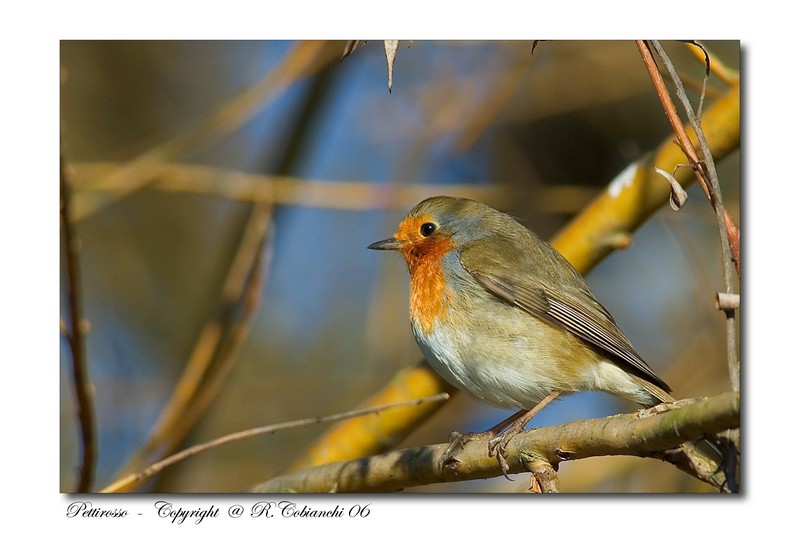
[391, 49]
[678, 196]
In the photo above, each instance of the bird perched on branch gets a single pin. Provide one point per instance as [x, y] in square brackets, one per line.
[501, 315]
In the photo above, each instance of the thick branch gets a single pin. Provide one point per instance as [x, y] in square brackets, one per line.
[642, 434]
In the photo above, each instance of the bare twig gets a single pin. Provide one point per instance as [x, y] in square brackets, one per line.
[705, 169]
[155, 468]
[75, 334]
[637, 434]
[706, 74]
[672, 115]
[729, 232]
[725, 73]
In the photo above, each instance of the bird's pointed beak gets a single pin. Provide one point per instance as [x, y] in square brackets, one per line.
[387, 244]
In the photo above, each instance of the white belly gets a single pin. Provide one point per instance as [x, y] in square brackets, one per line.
[518, 371]
[511, 374]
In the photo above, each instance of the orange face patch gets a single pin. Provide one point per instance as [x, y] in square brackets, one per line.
[424, 256]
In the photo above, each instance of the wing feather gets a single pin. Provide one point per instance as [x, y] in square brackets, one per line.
[572, 307]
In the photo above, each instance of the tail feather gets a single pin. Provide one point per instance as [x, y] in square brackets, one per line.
[659, 395]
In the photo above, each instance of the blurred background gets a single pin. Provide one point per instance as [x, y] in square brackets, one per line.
[224, 194]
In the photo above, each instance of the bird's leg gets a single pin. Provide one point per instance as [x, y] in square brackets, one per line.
[497, 445]
[457, 440]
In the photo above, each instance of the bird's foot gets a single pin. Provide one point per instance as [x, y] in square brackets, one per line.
[458, 440]
[497, 447]
[499, 436]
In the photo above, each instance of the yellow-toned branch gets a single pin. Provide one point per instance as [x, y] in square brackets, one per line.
[638, 192]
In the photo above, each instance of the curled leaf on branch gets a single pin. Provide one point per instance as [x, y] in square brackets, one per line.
[677, 195]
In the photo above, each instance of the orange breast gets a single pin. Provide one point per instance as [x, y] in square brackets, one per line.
[424, 257]
[428, 292]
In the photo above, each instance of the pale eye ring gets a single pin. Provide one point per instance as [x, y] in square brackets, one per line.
[427, 229]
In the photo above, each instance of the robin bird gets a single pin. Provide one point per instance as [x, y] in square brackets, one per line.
[503, 316]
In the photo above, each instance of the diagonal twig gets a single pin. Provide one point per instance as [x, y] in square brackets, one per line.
[217, 345]
[157, 467]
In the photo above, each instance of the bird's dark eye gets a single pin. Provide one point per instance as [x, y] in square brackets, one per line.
[427, 229]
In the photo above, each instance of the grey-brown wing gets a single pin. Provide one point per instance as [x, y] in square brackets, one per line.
[578, 313]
